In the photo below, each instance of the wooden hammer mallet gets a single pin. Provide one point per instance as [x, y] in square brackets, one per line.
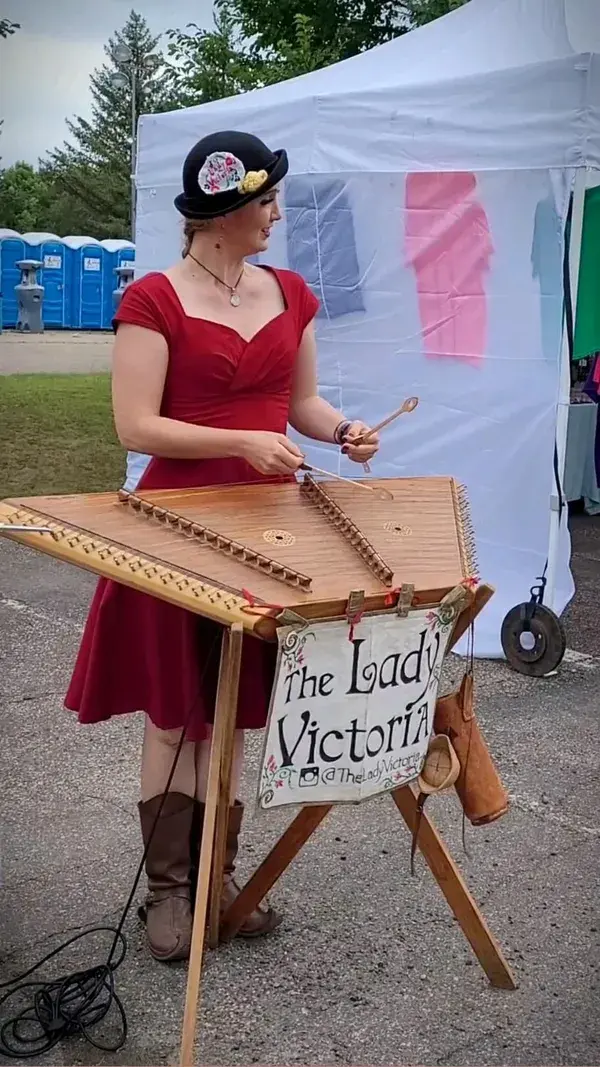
[408, 405]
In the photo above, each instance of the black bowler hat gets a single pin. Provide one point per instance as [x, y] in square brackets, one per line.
[226, 170]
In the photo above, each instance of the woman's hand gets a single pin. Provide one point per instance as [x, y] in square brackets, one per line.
[359, 453]
[270, 453]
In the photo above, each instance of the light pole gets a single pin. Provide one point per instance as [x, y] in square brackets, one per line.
[128, 76]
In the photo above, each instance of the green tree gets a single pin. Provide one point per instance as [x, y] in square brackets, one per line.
[213, 64]
[299, 53]
[258, 42]
[78, 195]
[209, 64]
[24, 198]
[91, 175]
[342, 27]
[419, 12]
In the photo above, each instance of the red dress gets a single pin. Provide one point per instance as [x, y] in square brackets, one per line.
[142, 654]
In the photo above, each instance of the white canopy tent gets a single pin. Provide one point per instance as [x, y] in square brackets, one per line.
[429, 185]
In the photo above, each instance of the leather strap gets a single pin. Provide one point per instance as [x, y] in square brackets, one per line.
[422, 797]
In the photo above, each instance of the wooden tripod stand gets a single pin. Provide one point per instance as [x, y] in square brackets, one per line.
[210, 926]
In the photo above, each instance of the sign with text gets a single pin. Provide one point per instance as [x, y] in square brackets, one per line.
[352, 710]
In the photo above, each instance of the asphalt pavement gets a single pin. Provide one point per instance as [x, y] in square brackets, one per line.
[369, 966]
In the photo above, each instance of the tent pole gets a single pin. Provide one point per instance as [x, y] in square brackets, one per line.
[564, 389]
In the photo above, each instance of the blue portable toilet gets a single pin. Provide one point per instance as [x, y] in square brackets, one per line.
[52, 253]
[85, 283]
[116, 254]
[12, 250]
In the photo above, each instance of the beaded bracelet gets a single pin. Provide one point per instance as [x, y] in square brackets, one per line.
[341, 430]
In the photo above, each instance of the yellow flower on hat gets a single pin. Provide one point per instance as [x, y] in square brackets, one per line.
[252, 181]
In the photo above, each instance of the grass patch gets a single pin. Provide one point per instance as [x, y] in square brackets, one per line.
[57, 435]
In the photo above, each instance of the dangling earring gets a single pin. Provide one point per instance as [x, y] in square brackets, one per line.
[219, 239]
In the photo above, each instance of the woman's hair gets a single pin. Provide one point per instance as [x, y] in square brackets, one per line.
[191, 227]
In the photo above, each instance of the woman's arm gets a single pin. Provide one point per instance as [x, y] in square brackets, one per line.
[309, 413]
[314, 417]
[140, 358]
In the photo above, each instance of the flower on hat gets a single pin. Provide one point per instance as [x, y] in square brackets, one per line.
[221, 172]
[252, 181]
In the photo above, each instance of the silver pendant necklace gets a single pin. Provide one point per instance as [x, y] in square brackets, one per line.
[234, 296]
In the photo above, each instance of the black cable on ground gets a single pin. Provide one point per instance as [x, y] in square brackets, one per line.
[76, 1003]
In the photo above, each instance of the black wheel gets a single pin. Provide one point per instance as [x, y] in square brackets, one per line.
[533, 639]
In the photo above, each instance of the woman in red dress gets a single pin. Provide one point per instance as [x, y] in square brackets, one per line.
[212, 359]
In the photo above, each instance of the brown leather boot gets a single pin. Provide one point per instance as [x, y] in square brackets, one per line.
[167, 913]
[263, 920]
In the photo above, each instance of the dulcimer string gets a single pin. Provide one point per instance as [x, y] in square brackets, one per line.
[382, 494]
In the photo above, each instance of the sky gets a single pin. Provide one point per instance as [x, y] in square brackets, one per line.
[45, 66]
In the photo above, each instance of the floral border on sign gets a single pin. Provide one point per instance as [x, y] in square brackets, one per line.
[403, 777]
[293, 648]
[273, 777]
[441, 619]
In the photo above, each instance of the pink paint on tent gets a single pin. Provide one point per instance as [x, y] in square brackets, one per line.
[448, 245]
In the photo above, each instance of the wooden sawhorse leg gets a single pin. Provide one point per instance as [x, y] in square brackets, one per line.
[264, 878]
[214, 830]
[210, 872]
[441, 864]
[454, 888]
[433, 848]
